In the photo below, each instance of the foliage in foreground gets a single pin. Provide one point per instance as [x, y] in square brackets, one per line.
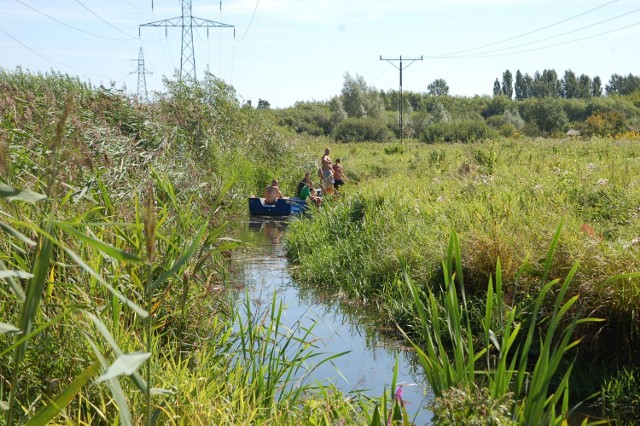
[113, 248]
[447, 349]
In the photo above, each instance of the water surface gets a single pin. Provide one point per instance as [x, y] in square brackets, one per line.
[370, 362]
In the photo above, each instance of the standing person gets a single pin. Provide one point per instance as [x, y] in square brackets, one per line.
[272, 193]
[338, 174]
[327, 172]
[305, 180]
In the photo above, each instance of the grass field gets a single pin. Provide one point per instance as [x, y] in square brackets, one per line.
[505, 200]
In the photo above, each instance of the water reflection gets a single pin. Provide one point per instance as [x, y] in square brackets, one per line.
[369, 364]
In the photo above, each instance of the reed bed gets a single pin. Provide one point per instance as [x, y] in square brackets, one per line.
[113, 258]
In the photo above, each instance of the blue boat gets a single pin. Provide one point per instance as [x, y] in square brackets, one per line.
[282, 207]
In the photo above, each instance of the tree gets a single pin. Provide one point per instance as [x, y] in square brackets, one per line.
[546, 85]
[438, 88]
[496, 88]
[527, 86]
[507, 84]
[262, 104]
[596, 87]
[569, 85]
[358, 100]
[623, 85]
[585, 87]
[519, 86]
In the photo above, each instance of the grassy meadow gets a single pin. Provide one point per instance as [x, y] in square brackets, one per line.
[508, 201]
[501, 262]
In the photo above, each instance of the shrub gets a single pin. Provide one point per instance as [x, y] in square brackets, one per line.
[394, 149]
[458, 131]
[497, 106]
[545, 115]
[310, 118]
[617, 103]
[609, 123]
[362, 130]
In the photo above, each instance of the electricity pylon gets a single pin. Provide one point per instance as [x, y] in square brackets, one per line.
[187, 21]
[142, 79]
[411, 60]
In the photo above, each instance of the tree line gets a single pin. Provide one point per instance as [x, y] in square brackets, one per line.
[570, 86]
[538, 105]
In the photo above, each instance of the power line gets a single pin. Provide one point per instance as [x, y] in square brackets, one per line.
[68, 25]
[552, 37]
[132, 5]
[50, 61]
[250, 22]
[104, 20]
[555, 45]
[529, 32]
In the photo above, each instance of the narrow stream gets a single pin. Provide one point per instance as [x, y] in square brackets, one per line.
[369, 364]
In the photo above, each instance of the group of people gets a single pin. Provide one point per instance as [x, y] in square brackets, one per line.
[331, 177]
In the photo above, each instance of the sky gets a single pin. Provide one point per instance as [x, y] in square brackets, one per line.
[288, 51]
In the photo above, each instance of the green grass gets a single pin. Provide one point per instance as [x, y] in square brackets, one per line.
[505, 200]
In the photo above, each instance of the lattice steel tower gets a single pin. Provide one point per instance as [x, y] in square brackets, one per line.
[142, 79]
[187, 21]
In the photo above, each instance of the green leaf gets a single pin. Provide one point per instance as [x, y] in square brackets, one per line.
[8, 328]
[51, 410]
[98, 277]
[100, 245]
[15, 286]
[376, 421]
[15, 274]
[116, 389]
[135, 377]
[176, 266]
[126, 365]
[11, 194]
[9, 230]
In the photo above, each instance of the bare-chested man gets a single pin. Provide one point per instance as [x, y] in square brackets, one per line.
[272, 193]
[327, 172]
[338, 174]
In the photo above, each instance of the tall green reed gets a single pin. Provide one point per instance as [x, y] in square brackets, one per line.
[446, 346]
[274, 360]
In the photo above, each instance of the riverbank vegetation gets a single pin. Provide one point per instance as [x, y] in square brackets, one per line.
[115, 303]
[505, 200]
[114, 257]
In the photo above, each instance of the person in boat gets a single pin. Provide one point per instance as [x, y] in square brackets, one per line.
[338, 175]
[327, 173]
[305, 180]
[272, 193]
[309, 192]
